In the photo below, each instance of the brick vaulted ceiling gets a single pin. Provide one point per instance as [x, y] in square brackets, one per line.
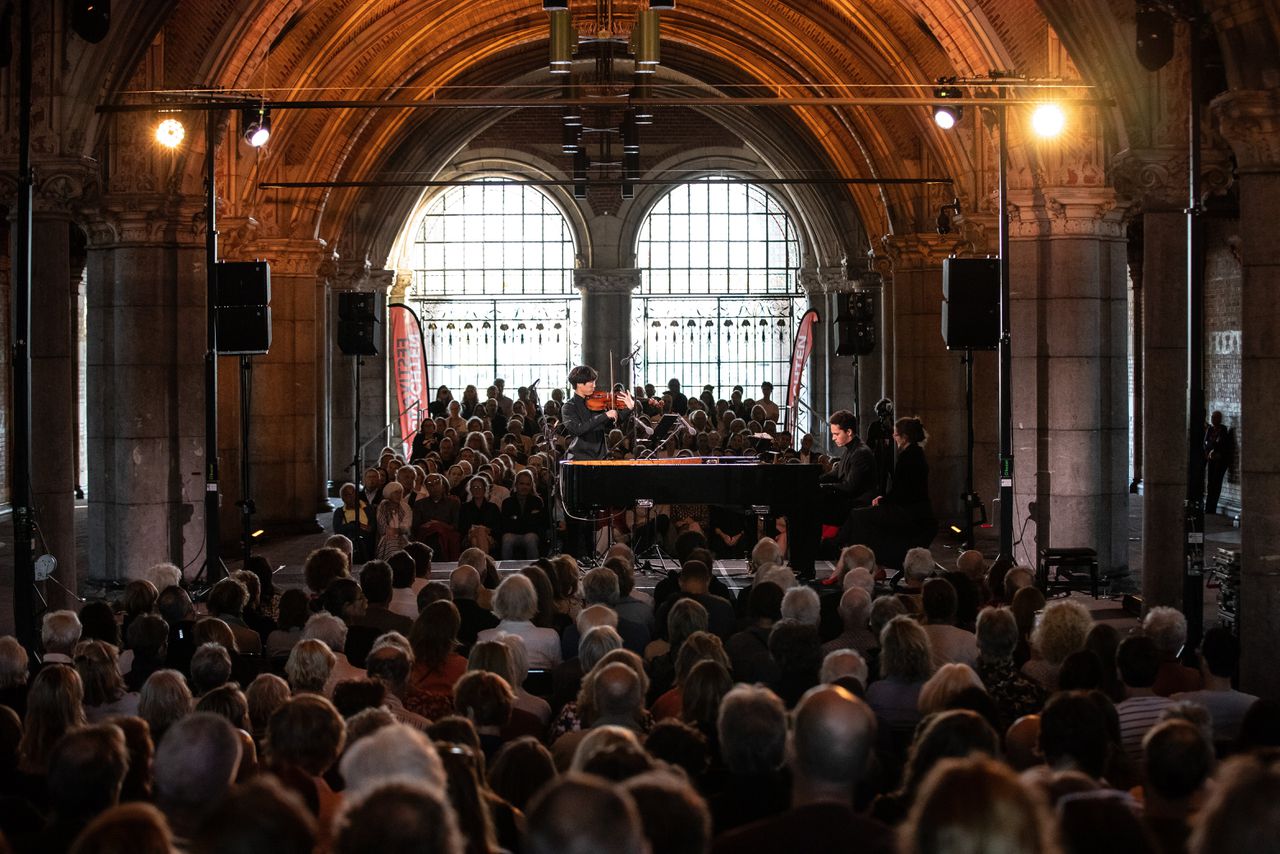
[375, 49]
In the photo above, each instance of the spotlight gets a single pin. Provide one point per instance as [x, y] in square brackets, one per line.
[944, 216]
[662, 4]
[564, 40]
[1154, 37]
[1048, 120]
[91, 19]
[555, 5]
[947, 116]
[581, 164]
[170, 133]
[255, 124]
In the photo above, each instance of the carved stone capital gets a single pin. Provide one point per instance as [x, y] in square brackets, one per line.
[63, 186]
[1066, 212]
[1249, 120]
[401, 284]
[920, 251]
[347, 275]
[145, 219]
[825, 280]
[289, 257]
[596, 281]
[1157, 178]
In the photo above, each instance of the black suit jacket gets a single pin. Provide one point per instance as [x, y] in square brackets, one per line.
[909, 485]
[854, 476]
[587, 428]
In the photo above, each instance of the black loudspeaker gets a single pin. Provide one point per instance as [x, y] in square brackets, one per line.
[971, 303]
[358, 322]
[1155, 35]
[856, 326]
[242, 301]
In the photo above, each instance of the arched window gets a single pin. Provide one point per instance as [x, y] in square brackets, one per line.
[493, 285]
[719, 297]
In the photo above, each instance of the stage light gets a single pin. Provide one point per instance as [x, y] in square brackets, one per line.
[662, 4]
[255, 123]
[947, 116]
[170, 133]
[630, 133]
[571, 139]
[1048, 120]
[91, 19]
[555, 5]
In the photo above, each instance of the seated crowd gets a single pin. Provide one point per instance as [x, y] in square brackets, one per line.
[553, 710]
[479, 473]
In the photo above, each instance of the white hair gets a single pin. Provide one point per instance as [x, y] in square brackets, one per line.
[515, 599]
[596, 615]
[802, 605]
[860, 577]
[392, 752]
[766, 553]
[326, 628]
[162, 575]
[777, 574]
[1166, 627]
[918, 564]
[855, 607]
[843, 662]
[59, 631]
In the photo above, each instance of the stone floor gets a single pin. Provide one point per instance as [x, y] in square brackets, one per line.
[288, 554]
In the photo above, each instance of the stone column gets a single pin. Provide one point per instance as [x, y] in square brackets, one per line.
[285, 476]
[54, 367]
[606, 318]
[146, 293]
[929, 381]
[1250, 122]
[1068, 305]
[1155, 178]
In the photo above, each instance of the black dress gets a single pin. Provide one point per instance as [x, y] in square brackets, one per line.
[903, 511]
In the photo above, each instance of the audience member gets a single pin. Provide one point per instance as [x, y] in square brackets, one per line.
[516, 603]
[949, 643]
[1140, 710]
[1167, 629]
[195, 765]
[1062, 631]
[1219, 660]
[579, 814]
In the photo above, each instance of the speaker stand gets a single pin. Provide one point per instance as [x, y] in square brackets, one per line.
[246, 505]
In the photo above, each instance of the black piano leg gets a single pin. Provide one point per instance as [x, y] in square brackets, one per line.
[804, 529]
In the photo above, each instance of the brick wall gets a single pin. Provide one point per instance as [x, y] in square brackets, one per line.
[1222, 340]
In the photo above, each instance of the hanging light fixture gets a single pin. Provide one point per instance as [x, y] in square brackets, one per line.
[630, 133]
[946, 115]
[646, 40]
[170, 133]
[572, 139]
[255, 124]
[564, 41]
[644, 113]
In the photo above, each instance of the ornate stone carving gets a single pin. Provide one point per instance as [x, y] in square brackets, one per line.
[1249, 120]
[920, 251]
[1157, 178]
[606, 281]
[825, 280]
[289, 257]
[1066, 212]
[348, 275]
[144, 219]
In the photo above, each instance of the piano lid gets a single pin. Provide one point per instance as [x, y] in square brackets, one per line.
[675, 461]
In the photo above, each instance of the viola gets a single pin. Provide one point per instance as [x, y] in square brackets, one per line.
[603, 401]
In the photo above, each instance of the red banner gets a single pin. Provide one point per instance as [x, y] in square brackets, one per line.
[799, 358]
[409, 366]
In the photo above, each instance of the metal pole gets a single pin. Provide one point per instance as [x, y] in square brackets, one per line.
[1193, 525]
[1006, 351]
[358, 474]
[212, 497]
[857, 390]
[24, 617]
[246, 501]
[970, 500]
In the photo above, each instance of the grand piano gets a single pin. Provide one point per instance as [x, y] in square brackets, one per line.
[789, 490]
